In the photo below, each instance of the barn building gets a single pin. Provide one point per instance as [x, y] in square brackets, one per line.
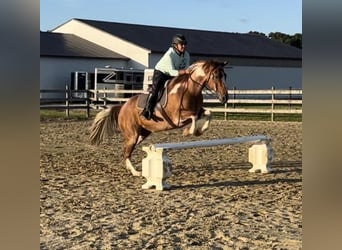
[79, 45]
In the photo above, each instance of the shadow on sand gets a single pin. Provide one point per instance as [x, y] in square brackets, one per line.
[280, 167]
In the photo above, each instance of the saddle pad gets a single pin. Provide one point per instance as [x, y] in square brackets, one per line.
[142, 99]
[141, 102]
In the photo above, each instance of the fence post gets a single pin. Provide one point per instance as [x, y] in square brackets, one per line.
[96, 97]
[225, 112]
[105, 97]
[290, 96]
[87, 95]
[87, 103]
[234, 96]
[272, 105]
[67, 100]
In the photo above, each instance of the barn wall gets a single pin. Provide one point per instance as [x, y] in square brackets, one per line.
[55, 72]
[247, 77]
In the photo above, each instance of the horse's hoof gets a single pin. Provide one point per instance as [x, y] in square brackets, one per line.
[197, 133]
[186, 132]
[136, 173]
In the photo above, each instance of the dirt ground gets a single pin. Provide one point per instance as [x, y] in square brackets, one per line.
[88, 200]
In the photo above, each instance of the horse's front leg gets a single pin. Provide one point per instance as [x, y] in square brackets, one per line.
[202, 124]
[198, 125]
[189, 130]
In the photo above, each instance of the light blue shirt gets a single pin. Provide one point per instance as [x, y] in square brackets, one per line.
[171, 62]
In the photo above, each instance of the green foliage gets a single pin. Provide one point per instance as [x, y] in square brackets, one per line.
[293, 40]
[256, 33]
[259, 117]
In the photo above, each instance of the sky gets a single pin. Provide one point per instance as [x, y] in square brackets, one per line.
[239, 16]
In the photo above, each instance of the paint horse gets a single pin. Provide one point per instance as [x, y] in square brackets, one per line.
[183, 109]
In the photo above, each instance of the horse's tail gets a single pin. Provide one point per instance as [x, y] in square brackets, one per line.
[105, 124]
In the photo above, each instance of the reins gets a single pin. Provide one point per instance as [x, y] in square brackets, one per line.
[205, 83]
[198, 83]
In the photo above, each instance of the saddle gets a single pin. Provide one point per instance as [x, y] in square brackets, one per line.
[160, 105]
[162, 98]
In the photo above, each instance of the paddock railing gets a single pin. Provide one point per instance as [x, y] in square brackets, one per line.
[65, 99]
[272, 101]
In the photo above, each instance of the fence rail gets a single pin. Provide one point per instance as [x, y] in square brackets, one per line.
[67, 100]
[240, 101]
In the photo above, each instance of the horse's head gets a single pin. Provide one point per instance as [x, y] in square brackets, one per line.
[216, 80]
[210, 74]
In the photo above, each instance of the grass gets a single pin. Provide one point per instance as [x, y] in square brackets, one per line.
[259, 117]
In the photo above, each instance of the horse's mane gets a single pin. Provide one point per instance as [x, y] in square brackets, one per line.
[207, 67]
[178, 79]
[210, 66]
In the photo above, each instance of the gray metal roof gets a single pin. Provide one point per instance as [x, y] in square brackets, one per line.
[200, 42]
[69, 45]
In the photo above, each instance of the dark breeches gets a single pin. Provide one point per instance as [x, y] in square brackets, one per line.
[158, 80]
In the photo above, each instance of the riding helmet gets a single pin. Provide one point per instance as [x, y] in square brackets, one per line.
[179, 38]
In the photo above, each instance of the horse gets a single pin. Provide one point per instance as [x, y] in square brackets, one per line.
[183, 109]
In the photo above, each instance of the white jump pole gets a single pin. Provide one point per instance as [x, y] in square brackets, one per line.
[211, 143]
[157, 166]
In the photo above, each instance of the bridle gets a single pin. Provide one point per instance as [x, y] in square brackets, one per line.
[197, 82]
[205, 82]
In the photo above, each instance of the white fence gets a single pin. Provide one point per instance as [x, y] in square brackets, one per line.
[264, 101]
[271, 101]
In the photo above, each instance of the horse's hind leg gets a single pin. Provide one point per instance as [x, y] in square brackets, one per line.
[128, 149]
[130, 144]
[130, 167]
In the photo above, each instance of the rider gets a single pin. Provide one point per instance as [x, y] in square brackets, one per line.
[174, 62]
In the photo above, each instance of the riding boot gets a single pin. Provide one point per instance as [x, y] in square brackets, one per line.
[150, 103]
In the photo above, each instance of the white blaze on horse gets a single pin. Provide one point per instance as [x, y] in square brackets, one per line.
[183, 109]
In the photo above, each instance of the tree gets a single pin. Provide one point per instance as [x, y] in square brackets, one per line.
[293, 40]
[256, 33]
[296, 40]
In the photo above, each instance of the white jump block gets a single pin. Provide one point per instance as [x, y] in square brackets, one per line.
[157, 166]
[260, 155]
